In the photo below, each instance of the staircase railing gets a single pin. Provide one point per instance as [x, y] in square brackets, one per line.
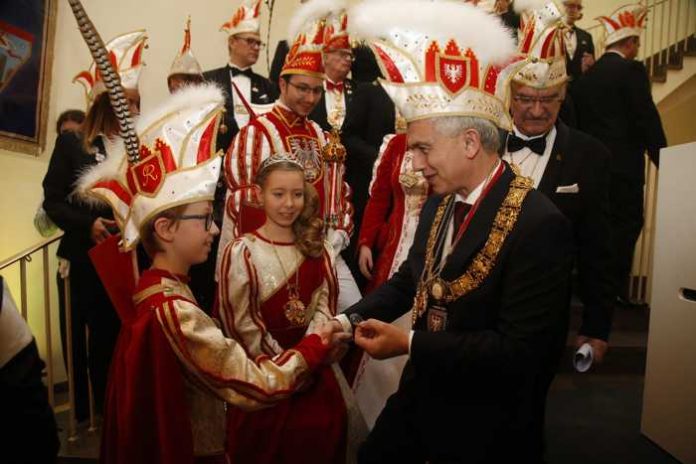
[668, 37]
[22, 259]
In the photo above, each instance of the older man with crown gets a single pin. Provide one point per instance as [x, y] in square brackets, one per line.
[568, 166]
[614, 103]
[247, 93]
[487, 278]
[287, 129]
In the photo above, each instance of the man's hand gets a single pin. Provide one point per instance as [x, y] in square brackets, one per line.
[586, 62]
[381, 340]
[365, 261]
[331, 334]
[599, 347]
[100, 229]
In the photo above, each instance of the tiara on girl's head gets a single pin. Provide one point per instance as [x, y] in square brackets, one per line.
[279, 158]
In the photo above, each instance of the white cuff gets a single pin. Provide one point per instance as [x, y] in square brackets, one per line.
[345, 323]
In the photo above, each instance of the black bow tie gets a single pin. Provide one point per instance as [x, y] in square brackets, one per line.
[236, 72]
[537, 145]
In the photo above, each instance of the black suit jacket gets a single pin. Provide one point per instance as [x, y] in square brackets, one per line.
[584, 45]
[475, 392]
[73, 216]
[614, 103]
[319, 114]
[263, 91]
[578, 159]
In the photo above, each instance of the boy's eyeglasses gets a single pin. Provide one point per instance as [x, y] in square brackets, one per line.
[208, 218]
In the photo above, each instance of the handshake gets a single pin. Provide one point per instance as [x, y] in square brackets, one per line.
[378, 339]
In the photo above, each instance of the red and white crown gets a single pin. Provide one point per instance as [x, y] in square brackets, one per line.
[627, 21]
[245, 19]
[307, 34]
[185, 62]
[177, 165]
[542, 48]
[336, 33]
[125, 53]
[440, 58]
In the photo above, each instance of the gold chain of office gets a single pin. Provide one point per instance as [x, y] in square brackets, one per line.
[479, 269]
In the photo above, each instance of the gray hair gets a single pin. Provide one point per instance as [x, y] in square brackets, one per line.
[452, 126]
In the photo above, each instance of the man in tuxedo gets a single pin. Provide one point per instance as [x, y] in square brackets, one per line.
[614, 104]
[338, 93]
[244, 89]
[487, 277]
[578, 42]
[571, 168]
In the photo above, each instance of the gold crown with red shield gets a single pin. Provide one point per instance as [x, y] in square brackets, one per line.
[126, 55]
[439, 58]
[244, 19]
[185, 62]
[626, 21]
[542, 48]
[307, 35]
[177, 163]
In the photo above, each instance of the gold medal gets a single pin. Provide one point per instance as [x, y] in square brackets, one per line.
[294, 311]
[438, 289]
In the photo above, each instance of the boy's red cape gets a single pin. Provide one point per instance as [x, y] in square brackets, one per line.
[145, 413]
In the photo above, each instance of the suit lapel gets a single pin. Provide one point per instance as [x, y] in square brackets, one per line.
[479, 227]
[549, 180]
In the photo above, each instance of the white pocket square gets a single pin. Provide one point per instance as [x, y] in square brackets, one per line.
[568, 188]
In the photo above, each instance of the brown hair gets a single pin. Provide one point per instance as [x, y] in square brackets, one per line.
[308, 227]
[148, 236]
[100, 119]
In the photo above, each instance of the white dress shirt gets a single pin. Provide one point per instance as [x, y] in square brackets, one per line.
[243, 83]
[571, 42]
[335, 103]
[531, 164]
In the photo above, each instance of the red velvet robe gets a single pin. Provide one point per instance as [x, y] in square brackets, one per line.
[162, 370]
[310, 426]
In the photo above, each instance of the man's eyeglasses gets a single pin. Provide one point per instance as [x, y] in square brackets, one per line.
[526, 100]
[252, 42]
[307, 90]
[208, 218]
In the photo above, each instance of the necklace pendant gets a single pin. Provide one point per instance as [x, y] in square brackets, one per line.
[438, 289]
[294, 311]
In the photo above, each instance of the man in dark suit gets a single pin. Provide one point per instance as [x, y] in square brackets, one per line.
[246, 93]
[243, 87]
[572, 169]
[487, 277]
[614, 104]
[578, 42]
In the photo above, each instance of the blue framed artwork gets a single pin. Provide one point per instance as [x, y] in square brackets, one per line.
[26, 52]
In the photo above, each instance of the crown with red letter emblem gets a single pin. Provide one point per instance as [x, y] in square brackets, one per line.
[185, 62]
[439, 58]
[177, 163]
[245, 18]
[542, 48]
[627, 21]
[125, 53]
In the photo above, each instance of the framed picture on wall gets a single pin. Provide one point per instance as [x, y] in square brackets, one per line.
[27, 30]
